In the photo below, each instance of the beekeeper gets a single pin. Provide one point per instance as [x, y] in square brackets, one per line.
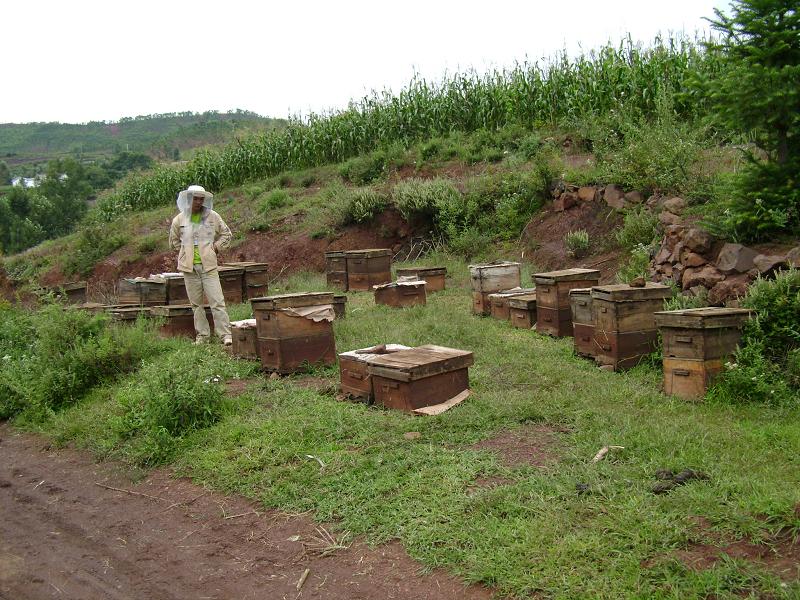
[199, 233]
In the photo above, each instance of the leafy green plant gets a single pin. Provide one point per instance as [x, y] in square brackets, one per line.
[639, 227]
[363, 205]
[425, 198]
[577, 243]
[637, 265]
[365, 169]
[95, 241]
[275, 199]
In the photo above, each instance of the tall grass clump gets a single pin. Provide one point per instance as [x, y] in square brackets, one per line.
[529, 94]
[425, 199]
[363, 205]
[577, 243]
[639, 227]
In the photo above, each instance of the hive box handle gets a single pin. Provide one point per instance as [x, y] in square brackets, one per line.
[681, 372]
[683, 339]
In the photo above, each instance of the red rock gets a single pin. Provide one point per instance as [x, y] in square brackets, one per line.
[655, 201]
[732, 288]
[675, 205]
[667, 270]
[698, 240]
[634, 197]
[707, 276]
[692, 259]
[587, 193]
[565, 201]
[667, 218]
[735, 257]
[663, 255]
[767, 263]
[675, 257]
[614, 196]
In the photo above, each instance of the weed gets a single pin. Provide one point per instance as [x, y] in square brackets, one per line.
[365, 169]
[637, 265]
[577, 243]
[274, 200]
[363, 205]
[639, 228]
[95, 241]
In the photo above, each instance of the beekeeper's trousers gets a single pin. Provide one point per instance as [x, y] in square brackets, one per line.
[199, 283]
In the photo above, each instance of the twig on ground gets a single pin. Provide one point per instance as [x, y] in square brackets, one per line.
[302, 579]
[108, 487]
[244, 514]
[187, 503]
[601, 454]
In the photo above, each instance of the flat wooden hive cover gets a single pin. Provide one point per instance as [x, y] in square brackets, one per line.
[335, 254]
[703, 318]
[292, 300]
[248, 265]
[523, 301]
[493, 265]
[422, 270]
[567, 275]
[369, 253]
[513, 293]
[580, 292]
[421, 362]
[624, 292]
[231, 269]
[173, 310]
[364, 354]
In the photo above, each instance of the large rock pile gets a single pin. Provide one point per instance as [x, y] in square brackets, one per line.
[703, 266]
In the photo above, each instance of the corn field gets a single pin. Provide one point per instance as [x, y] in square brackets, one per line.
[531, 95]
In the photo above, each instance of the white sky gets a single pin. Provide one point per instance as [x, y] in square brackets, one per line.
[81, 60]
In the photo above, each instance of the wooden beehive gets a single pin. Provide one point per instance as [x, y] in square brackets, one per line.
[401, 295]
[340, 306]
[434, 277]
[353, 369]
[481, 305]
[256, 278]
[495, 277]
[336, 269]
[142, 291]
[245, 339]
[288, 341]
[498, 302]
[696, 344]
[624, 322]
[127, 314]
[580, 300]
[128, 292]
[74, 292]
[419, 377]
[522, 311]
[553, 311]
[179, 320]
[176, 288]
[232, 281]
[368, 268]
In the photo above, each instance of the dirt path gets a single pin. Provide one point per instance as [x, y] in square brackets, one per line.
[64, 536]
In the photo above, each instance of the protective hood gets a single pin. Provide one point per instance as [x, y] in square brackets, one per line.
[185, 198]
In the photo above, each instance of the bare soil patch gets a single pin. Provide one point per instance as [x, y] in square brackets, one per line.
[237, 387]
[534, 445]
[63, 535]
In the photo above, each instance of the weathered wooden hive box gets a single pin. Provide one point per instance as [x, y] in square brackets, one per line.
[354, 373]
[256, 278]
[697, 342]
[434, 277]
[340, 306]
[367, 268]
[499, 307]
[232, 281]
[179, 320]
[245, 339]
[491, 278]
[553, 311]
[128, 292]
[580, 302]
[419, 377]
[625, 328]
[127, 314]
[336, 269]
[142, 291]
[522, 311]
[401, 294]
[74, 292]
[176, 288]
[294, 330]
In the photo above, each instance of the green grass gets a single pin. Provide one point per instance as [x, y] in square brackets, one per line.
[533, 534]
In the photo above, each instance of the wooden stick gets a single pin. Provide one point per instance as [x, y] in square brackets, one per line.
[302, 579]
[108, 487]
[244, 514]
[187, 503]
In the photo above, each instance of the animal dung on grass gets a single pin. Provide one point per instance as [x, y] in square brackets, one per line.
[294, 330]
[625, 328]
[402, 293]
[499, 307]
[522, 311]
[419, 378]
[245, 339]
[353, 369]
[553, 311]
[434, 277]
[179, 320]
[697, 342]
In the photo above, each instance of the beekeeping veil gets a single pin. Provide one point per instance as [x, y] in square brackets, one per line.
[190, 235]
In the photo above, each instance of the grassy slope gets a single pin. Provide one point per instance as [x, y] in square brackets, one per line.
[533, 534]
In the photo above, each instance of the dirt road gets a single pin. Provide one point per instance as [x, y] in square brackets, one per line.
[64, 536]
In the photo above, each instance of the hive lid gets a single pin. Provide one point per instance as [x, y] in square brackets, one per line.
[368, 253]
[567, 275]
[335, 253]
[422, 271]
[580, 292]
[127, 313]
[244, 324]
[419, 363]
[367, 355]
[493, 265]
[704, 318]
[512, 292]
[231, 269]
[173, 310]
[292, 300]
[622, 292]
[524, 301]
[248, 266]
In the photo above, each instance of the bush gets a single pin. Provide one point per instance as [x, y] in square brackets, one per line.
[577, 243]
[530, 145]
[424, 198]
[637, 265]
[275, 199]
[470, 243]
[639, 227]
[364, 169]
[363, 205]
[150, 242]
[95, 242]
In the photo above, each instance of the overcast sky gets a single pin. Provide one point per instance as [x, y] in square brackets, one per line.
[79, 60]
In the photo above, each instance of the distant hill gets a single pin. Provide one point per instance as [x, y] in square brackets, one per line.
[159, 135]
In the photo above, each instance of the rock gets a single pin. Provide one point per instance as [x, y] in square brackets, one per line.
[587, 193]
[707, 276]
[698, 291]
[675, 205]
[698, 240]
[663, 255]
[667, 218]
[633, 198]
[677, 251]
[273, 376]
[654, 202]
[412, 435]
[606, 368]
[765, 263]
[667, 270]
[675, 231]
[692, 259]
[565, 201]
[735, 257]
[638, 282]
[793, 258]
[732, 288]
[614, 196]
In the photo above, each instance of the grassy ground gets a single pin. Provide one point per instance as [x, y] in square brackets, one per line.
[534, 533]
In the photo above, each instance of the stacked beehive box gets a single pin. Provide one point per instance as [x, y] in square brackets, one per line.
[420, 377]
[231, 279]
[499, 307]
[696, 344]
[245, 339]
[127, 314]
[340, 306]
[74, 293]
[176, 289]
[336, 269]
[179, 320]
[401, 294]
[624, 320]
[353, 369]
[142, 291]
[580, 300]
[522, 311]
[553, 312]
[294, 330]
[489, 279]
[434, 277]
[368, 268]
[255, 280]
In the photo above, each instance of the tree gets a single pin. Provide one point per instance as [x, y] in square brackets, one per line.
[5, 173]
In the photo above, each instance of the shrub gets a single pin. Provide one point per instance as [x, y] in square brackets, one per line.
[577, 243]
[150, 242]
[470, 243]
[364, 169]
[363, 205]
[639, 227]
[95, 242]
[423, 198]
[530, 145]
[275, 199]
[637, 264]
